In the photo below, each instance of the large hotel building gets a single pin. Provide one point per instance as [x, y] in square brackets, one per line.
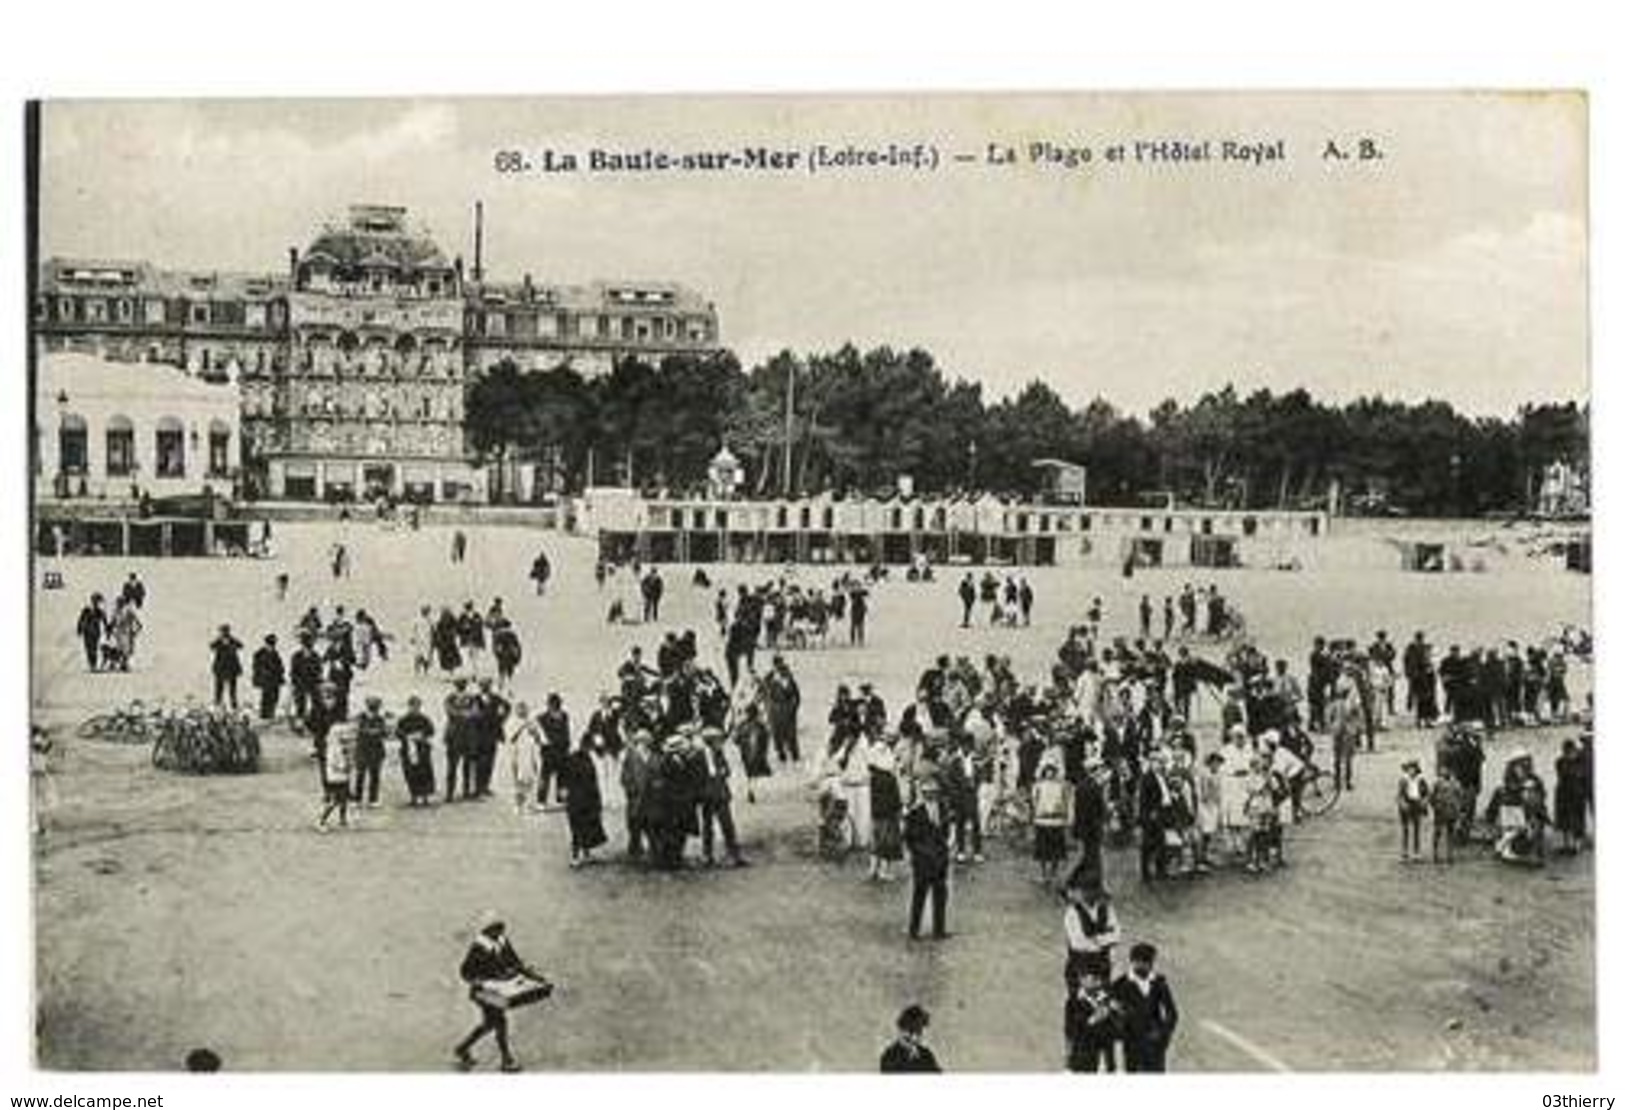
[351, 364]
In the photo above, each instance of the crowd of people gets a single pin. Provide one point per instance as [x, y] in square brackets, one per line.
[1100, 753]
[1008, 606]
[782, 615]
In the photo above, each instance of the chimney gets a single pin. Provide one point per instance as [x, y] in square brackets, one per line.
[293, 261]
[479, 239]
[530, 290]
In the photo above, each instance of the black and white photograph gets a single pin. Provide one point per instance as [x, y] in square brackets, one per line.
[986, 582]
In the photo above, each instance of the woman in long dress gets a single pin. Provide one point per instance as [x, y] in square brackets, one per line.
[126, 626]
[583, 804]
[885, 811]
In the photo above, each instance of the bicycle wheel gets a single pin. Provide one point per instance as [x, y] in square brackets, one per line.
[98, 727]
[1320, 792]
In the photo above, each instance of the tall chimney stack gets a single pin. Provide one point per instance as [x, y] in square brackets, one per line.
[479, 239]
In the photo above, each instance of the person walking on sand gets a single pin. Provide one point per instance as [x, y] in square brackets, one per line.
[491, 959]
[925, 832]
[415, 732]
[338, 763]
[227, 666]
[1149, 1013]
[583, 803]
[269, 676]
[1411, 797]
[522, 757]
[92, 623]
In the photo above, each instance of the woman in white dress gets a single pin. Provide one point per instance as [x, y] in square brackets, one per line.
[1233, 790]
[522, 757]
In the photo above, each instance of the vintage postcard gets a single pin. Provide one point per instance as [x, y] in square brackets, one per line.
[1027, 583]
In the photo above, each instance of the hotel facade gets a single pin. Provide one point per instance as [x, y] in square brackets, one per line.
[351, 365]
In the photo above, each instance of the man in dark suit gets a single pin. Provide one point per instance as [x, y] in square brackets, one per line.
[92, 623]
[925, 832]
[1322, 674]
[1156, 813]
[269, 675]
[305, 672]
[1149, 1016]
[227, 666]
[908, 1053]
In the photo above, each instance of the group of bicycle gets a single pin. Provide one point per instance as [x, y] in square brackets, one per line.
[190, 738]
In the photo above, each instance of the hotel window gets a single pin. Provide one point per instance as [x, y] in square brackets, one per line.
[722, 520]
[126, 310]
[200, 314]
[95, 310]
[1145, 524]
[170, 444]
[120, 447]
[73, 445]
[1249, 526]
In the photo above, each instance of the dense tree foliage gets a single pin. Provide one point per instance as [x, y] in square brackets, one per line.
[859, 420]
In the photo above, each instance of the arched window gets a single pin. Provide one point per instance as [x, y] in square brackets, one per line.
[120, 447]
[170, 448]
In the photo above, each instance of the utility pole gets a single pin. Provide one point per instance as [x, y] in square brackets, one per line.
[789, 423]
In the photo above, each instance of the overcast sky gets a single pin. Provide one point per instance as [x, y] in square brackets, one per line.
[1455, 267]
